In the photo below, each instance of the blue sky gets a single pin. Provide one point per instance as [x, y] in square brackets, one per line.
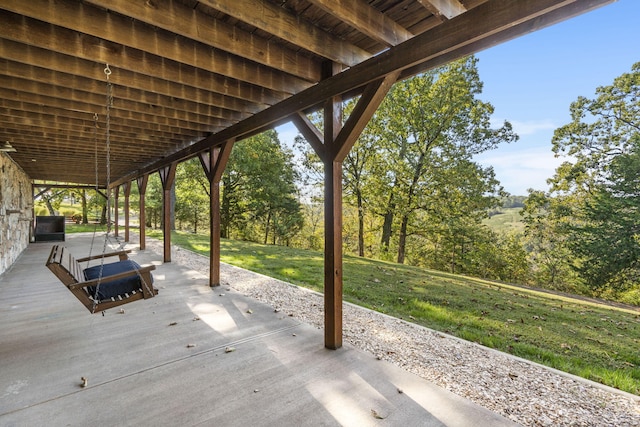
[532, 80]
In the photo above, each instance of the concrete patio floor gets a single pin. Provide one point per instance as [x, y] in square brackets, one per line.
[142, 369]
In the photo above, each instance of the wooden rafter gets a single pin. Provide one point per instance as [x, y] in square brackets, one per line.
[132, 34]
[366, 19]
[285, 25]
[188, 22]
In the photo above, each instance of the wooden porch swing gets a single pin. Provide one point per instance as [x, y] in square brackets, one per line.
[109, 285]
[102, 286]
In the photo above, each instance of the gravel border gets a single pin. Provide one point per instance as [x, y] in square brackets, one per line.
[525, 392]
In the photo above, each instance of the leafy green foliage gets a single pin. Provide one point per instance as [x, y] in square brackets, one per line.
[597, 195]
[259, 196]
[192, 188]
[427, 130]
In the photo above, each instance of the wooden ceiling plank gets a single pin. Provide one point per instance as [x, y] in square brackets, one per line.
[366, 19]
[129, 33]
[204, 89]
[121, 107]
[48, 38]
[287, 26]
[175, 17]
[18, 108]
[86, 137]
[62, 126]
[231, 112]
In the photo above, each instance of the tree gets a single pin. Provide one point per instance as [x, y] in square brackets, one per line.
[603, 144]
[153, 201]
[259, 190]
[192, 194]
[428, 129]
[546, 219]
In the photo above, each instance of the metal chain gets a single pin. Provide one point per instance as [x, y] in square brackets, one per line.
[95, 152]
[107, 72]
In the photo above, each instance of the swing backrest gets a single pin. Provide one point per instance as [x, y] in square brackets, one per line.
[65, 266]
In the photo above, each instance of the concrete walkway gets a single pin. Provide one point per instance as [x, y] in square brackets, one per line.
[191, 356]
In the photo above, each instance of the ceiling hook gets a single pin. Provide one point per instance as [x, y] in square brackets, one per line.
[107, 71]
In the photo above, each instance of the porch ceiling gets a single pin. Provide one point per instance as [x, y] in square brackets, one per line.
[188, 75]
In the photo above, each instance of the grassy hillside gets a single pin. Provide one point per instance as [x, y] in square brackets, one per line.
[594, 341]
[508, 220]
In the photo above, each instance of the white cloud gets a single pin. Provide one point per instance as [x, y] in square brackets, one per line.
[521, 169]
[533, 126]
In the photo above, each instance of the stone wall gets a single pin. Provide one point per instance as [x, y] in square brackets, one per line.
[16, 211]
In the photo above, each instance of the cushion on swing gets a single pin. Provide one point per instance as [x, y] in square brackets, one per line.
[112, 289]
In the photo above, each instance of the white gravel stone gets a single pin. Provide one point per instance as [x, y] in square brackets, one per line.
[525, 392]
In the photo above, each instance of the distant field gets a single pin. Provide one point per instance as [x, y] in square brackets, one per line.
[509, 220]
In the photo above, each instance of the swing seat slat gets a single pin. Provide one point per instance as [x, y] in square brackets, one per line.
[122, 282]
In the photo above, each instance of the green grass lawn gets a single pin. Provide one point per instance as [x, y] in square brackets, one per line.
[508, 220]
[594, 341]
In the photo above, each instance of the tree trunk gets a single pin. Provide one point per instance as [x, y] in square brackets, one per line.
[402, 243]
[85, 215]
[195, 221]
[103, 214]
[453, 255]
[266, 228]
[52, 211]
[387, 225]
[360, 224]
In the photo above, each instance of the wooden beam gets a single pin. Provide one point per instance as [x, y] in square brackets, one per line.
[287, 26]
[127, 32]
[57, 108]
[198, 90]
[310, 132]
[167, 177]
[65, 86]
[142, 190]
[367, 105]
[177, 18]
[366, 19]
[171, 79]
[214, 162]
[127, 193]
[332, 222]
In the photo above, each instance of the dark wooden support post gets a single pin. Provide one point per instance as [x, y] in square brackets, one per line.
[167, 176]
[116, 193]
[332, 220]
[127, 192]
[332, 148]
[142, 190]
[214, 163]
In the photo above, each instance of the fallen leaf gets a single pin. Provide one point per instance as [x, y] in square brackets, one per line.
[376, 415]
